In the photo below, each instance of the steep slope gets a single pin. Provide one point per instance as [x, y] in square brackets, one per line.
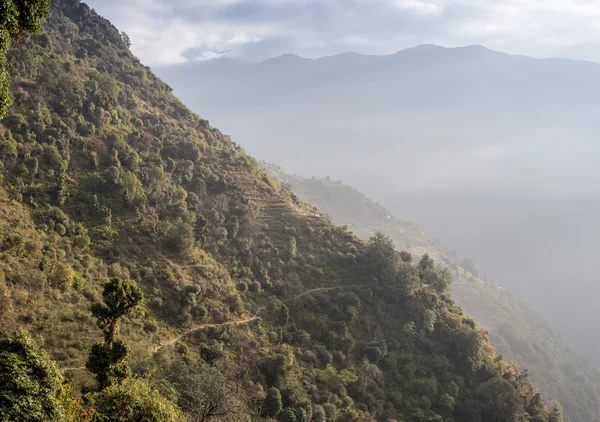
[249, 294]
[469, 142]
[518, 333]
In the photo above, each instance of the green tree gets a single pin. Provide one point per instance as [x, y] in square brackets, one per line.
[201, 230]
[381, 258]
[135, 400]
[301, 415]
[500, 400]
[272, 404]
[17, 18]
[319, 414]
[292, 249]
[29, 381]
[556, 413]
[287, 415]
[179, 237]
[406, 257]
[107, 359]
[284, 315]
[133, 191]
[232, 226]
[438, 278]
[33, 165]
[425, 264]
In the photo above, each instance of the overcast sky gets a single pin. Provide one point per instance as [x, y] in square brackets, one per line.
[166, 32]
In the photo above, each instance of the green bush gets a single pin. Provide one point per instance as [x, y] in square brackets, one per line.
[29, 381]
[135, 400]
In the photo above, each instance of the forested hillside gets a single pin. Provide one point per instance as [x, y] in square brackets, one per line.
[169, 277]
[468, 141]
[518, 333]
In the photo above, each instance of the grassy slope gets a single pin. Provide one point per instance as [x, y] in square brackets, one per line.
[517, 332]
[105, 173]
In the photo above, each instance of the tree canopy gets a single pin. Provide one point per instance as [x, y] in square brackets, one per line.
[17, 18]
[29, 381]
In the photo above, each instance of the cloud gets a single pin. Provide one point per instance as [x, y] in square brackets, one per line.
[167, 32]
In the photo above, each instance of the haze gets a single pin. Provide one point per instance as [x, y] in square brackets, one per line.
[494, 153]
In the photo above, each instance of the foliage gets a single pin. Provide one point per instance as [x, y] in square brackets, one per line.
[175, 209]
[107, 360]
[205, 394]
[17, 18]
[29, 381]
[272, 404]
[134, 400]
[516, 331]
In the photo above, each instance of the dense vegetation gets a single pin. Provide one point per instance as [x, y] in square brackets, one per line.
[217, 293]
[17, 18]
[515, 331]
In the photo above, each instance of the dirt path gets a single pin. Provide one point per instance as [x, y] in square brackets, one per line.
[174, 340]
[308, 292]
[323, 289]
[202, 327]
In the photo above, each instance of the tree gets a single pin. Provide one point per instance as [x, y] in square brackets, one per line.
[201, 229]
[272, 404]
[33, 166]
[205, 394]
[287, 415]
[29, 381]
[107, 359]
[17, 18]
[179, 237]
[232, 226]
[135, 400]
[381, 258]
[556, 413]
[126, 40]
[406, 257]
[467, 264]
[319, 414]
[301, 415]
[500, 400]
[437, 278]
[33, 281]
[292, 249]
[284, 315]
[425, 264]
[133, 191]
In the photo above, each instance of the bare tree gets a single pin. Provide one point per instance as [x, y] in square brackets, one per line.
[34, 282]
[206, 395]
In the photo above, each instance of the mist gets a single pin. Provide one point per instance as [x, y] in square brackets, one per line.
[494, 154]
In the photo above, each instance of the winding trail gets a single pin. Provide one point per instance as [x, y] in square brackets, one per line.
[202, 327]
[155, 349]
[308, 292]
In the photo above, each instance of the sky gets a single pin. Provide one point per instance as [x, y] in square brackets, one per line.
[172, 32]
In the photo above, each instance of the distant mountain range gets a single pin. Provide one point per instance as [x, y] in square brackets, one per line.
[454, 112]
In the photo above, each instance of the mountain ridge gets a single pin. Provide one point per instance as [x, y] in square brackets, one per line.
[418, 49]
[128, 220]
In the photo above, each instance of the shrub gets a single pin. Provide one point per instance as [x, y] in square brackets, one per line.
[29, 381]
[272, 404]
[135, 400]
